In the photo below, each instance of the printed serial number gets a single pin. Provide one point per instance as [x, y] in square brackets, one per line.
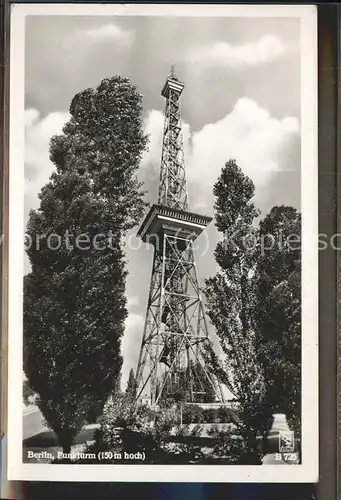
[286, 457]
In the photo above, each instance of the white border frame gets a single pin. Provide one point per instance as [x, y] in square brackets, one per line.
[308, 470]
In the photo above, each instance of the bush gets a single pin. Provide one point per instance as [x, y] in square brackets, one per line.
[226, 415]
[236, 449]
[127, 428]
[118, 412]
[192, 414]
[94, 412]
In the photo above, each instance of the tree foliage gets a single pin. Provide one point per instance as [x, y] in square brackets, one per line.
[131, 385]
[253, 303]
[278, 311]
[75, 305]
[127, 428]
[230, 297]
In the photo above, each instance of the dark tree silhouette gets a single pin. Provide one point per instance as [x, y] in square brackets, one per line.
[253, 302]
[131, 385]
[278, 311]
[75, 305]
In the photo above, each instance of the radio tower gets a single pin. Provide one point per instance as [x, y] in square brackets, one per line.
[170, 362]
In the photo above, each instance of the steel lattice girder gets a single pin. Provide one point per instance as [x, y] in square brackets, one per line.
[175, 320]
[175, 327]
[173, 190]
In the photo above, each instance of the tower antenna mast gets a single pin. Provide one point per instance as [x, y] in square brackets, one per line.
[171, 363]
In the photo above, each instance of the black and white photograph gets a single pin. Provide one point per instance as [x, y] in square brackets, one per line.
[163, 299]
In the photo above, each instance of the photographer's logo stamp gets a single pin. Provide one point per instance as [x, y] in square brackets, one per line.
[286, 442]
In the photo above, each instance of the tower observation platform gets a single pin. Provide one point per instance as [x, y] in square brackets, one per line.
[162, 219]
[171, 362]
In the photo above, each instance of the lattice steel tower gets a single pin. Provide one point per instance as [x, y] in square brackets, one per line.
[170, 361]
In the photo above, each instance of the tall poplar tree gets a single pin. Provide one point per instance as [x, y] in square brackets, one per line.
[230, 299]
[75, 304]
[131, 385]
[254, 305]
[278, 311]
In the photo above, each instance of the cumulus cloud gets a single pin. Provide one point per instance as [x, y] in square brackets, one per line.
[111, 32]
[258, 142]
[265, 50]
[150, 165]
[38, 166]
[153, 126]
[38, 132]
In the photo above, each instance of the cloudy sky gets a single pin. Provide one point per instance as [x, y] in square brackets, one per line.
[242, 101]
